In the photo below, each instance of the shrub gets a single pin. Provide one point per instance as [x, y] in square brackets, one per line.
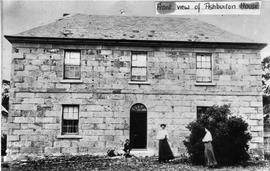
[230, 136]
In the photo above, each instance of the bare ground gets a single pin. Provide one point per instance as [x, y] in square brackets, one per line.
[76, 163]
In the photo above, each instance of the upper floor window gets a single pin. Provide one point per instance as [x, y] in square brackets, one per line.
[138, 66]
[72, 65]
[204, 68]
[70, 119]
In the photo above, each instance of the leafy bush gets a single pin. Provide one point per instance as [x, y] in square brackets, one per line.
[230, 136]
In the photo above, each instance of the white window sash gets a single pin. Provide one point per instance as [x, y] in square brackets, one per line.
[139, 60]
[72, 58]
[204, 68]
[71, 113]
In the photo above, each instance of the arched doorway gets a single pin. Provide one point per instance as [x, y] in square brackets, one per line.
[138, 126]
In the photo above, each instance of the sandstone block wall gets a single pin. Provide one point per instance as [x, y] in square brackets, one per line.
[105, 96]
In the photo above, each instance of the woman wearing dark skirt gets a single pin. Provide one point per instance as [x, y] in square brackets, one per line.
[164, 153]
[210, 159]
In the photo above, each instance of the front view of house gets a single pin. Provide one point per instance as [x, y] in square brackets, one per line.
[85, 83]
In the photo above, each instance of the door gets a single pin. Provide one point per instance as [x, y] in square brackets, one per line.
[138, 126]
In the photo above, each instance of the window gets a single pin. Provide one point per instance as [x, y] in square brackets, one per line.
[138, 66]
[204, 68]
[201, 111]
[70, 119]
[72, 65]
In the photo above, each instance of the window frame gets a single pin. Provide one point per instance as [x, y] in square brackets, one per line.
[146, 66]
[64, 66]
[211, 67]
[62, 119]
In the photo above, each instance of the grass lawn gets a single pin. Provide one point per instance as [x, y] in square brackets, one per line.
[73, 163]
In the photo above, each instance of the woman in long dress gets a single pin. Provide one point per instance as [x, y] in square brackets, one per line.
[165, 153]
[210, 159]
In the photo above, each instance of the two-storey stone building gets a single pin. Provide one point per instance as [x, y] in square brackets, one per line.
[85, 83]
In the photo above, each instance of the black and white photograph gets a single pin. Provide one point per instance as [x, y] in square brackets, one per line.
[121, 85]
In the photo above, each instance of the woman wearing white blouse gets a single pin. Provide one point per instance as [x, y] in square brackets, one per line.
[210, 158]
[164, 153]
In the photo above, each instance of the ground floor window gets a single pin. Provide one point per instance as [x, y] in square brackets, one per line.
[201, 111]
[70, 119]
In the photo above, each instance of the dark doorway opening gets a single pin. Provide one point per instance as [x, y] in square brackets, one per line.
[3, 144]
[138, 126]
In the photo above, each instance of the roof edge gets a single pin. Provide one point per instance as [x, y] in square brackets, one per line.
[126, 42]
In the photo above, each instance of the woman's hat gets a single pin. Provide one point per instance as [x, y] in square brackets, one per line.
[162, 125]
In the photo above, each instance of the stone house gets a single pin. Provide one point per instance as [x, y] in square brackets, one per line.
[85, 83]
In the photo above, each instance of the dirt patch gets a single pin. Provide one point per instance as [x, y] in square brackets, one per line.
[120, 163]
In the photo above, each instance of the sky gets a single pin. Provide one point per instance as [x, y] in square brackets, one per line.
[22, 15]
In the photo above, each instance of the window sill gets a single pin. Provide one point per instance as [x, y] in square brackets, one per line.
[69, 137]
[71, 81]
[205, 84]
[140, 149]
[138, 82]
